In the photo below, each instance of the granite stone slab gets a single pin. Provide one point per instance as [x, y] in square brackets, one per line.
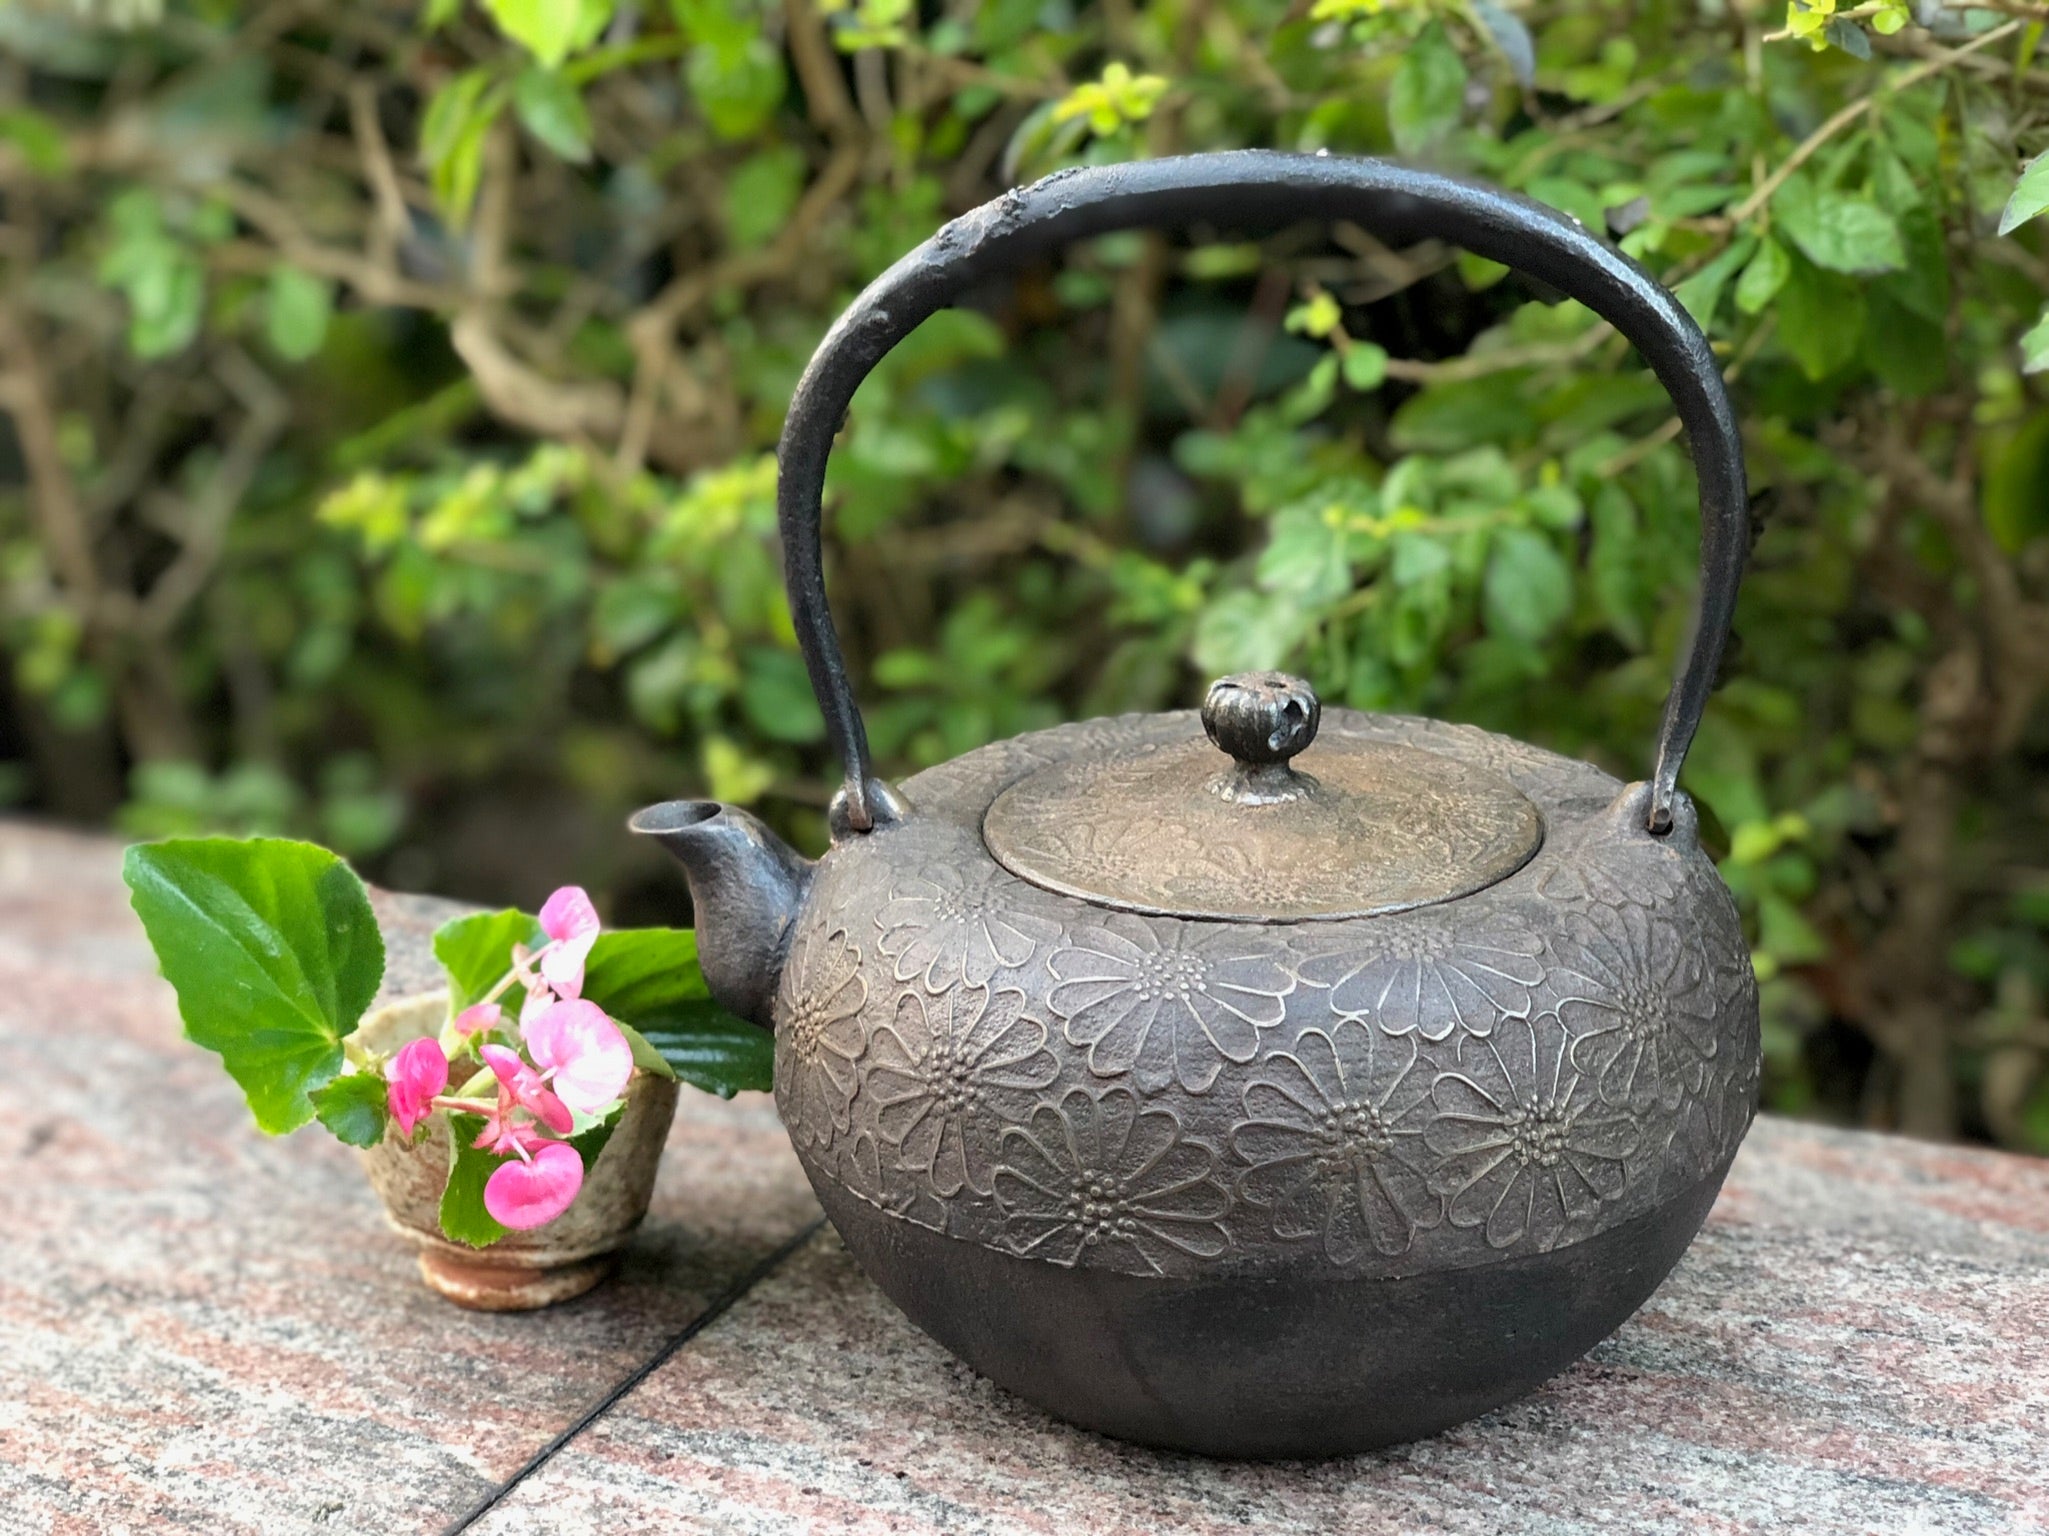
[205, 1329]
[202, 1329]
[1858, 1343]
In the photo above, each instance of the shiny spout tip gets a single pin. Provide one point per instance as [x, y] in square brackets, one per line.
[673, 816]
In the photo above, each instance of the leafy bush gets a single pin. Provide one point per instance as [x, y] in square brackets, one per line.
[394, 392]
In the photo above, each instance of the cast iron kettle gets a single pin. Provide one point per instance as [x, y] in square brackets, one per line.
[1268, 1080]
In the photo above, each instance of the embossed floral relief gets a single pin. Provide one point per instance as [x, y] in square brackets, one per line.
[944, 926]
[872, 1171]
[1130, 1092]
[1417, 972]
[1168, 1002]
[1533, 770]
[819, 1036]
[1261, 884]
[1621, 867]
[1733, 974]
[947, 1072]
[1103, 1178]
[1636, 988]
[1525, 1146]
[1333, 1134]
[1485, 749]
[1708, 1124]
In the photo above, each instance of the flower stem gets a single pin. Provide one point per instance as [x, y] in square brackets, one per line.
[462, 1106]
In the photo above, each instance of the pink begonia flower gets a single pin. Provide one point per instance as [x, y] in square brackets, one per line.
[571, 922]
[581, 1054]
[538, 1002]
[535, 1188]
[413, 1077]
[478, 1017]
[502, 1137]
[520, 1087]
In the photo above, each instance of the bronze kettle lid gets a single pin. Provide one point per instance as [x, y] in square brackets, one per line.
[1176, 828]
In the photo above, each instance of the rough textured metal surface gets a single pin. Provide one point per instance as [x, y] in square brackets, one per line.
[1853, 1344]
[1372, 827]
[205, 1329]
[1096, 1151]
[1511, 1073]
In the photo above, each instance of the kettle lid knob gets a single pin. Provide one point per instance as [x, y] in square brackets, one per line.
[1261, 718]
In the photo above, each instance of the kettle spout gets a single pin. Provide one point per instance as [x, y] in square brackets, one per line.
[746, 885]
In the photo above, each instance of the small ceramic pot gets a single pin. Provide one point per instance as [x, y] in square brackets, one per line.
[522, 1270]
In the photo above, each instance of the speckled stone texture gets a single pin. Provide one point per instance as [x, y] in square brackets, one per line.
[204, 1330]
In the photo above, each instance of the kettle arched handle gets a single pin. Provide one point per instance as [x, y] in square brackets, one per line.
[1259, 188]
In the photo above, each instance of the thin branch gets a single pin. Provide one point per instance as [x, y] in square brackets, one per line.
[2016, 631]
[375, 284]
[683, 294]
[651, 330]
[1480, 365]
[818, 72]
[394, 220]
[514, 391]
[60, 514]
[203, 523]
[1812, 144]
[2027, 10]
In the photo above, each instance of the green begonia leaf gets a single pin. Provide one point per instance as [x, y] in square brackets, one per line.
[274, 954]
[709, 1048]
[354, 1108]
[645, 1056]
[463, 1217]
[476, 951]
[635, 971]
[648, 979]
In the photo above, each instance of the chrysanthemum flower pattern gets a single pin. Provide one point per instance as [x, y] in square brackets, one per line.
[1143, 1094]
[819, 1038]
[1708, 1124]
[1100, 1179]
[947, 1072]
[1168, 1003]
[1415, 972]
[940, 926]
[875, 1173]
[1525, 1148]
[1333, 1131]
[1621, 871]
[1638, 994]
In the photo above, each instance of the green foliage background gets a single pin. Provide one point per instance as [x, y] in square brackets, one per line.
[392, 394]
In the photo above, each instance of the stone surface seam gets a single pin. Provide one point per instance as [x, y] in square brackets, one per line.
[611, 1399]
